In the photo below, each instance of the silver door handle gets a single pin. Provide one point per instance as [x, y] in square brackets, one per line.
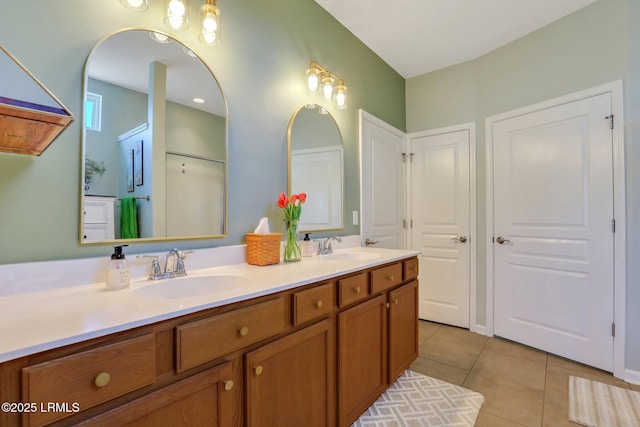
[370, 242]
[501, 240]
[460, 239]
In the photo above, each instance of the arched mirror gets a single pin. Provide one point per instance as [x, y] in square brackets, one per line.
[154, 162]
[316, 167]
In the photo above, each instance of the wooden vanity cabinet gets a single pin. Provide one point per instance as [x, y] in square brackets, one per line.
[377, 339]
[317, 355]
[203, 400]
[290, 382]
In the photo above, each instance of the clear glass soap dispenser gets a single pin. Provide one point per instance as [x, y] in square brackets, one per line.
[118, 271]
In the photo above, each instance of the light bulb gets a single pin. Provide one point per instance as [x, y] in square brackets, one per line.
[341, 95]
[176, 8]
[134, 3]
[327, 90]
[176, 21]
[137, 5]
[209, 38]
[210, 24]
[312, 82]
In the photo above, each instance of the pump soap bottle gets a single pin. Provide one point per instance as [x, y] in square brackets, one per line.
[118, 271]
[307, 246]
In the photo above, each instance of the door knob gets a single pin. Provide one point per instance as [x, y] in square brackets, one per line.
[461, 239]
[370, 242]
[501, 240]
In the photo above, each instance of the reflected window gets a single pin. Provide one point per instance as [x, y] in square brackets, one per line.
[93, 112]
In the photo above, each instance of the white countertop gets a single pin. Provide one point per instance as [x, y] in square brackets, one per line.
[32, 322]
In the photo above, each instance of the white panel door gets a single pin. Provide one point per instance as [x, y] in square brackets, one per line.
[440, 213]
[382, 183]
[553, 211]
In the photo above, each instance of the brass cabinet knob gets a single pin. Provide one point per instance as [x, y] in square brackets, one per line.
[357, 289]
[319, 304]
[390, 278]
[258, 369]
[395, 301]
[388, 305]
[102, 379]
[244, 331]
[228, 385]
[414, 269]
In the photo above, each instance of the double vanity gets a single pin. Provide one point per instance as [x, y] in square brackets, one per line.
[312, 343]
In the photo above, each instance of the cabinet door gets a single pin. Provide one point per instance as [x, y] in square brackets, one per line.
[362, 357]
[203, 400]
[403, 328]
[290, 382]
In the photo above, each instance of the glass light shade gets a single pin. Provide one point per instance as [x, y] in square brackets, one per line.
[327, 86]
[341, 95]
[159, 37]
[137, 5]
[313, 79]
[177, 14]
[210, 18]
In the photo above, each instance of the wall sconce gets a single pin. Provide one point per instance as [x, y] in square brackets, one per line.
[177, 17]
[210, 18]
[319, 78]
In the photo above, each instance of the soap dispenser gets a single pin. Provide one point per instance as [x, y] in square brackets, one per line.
[118, 271]
[307, 246]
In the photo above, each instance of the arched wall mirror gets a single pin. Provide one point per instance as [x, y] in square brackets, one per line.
[316, 167]
[154, 162]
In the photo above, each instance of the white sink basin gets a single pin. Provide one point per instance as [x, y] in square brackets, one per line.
[194, 286]
[350, 256]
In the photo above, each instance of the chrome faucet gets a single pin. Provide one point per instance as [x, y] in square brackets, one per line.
[324, 246]
[173, 265]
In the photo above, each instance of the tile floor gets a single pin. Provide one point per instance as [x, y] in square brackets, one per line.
[522, 386]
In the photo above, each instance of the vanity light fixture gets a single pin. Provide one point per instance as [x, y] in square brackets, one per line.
[137, 5]
[177, 14]
[177, 17]
[159, 37]
[321, 79]
[210, 18]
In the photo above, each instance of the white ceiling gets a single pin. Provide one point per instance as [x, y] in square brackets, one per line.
[418, 36]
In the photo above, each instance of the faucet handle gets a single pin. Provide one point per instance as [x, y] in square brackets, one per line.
[181, 255]
[155, 273]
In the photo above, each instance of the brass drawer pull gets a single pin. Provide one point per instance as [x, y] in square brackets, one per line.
[357, 289]
[228, 385]
[319, 304]
[390, 278]
[102, 379]
[244, 331]
[258, 369]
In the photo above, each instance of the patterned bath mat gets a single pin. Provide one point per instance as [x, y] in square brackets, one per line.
[595, 404]
[416, 400]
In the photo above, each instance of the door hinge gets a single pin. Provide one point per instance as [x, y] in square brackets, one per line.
[411, 223]
[610, 118]
[613, 329]
[411, 157]
[404, 223]
[404, 157]
[613, 225]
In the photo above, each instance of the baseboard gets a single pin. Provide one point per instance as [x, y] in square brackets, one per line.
[632, 377]
[479, 329]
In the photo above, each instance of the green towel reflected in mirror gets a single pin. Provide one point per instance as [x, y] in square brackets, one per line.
[128, 218]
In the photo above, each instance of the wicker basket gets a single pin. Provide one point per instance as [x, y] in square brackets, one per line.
[263, 249]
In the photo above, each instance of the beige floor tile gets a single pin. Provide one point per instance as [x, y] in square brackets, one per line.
[487, 420]
[426, 330]
[557, 380]
[556, 411]
[504, 367]
[441, 371]
[510, 348]
[453, 346]
[514, 402]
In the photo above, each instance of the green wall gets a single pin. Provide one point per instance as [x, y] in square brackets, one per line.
[260, 64]
[593, 46]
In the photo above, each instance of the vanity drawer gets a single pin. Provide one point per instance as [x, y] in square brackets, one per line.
[386, 277]
[410, 269]
[88, 378]
[205, 340]
[312, 303]
[352, 289]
